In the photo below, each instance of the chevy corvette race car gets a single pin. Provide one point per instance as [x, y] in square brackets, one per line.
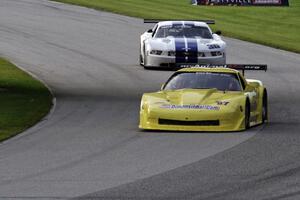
[176, 42]
[216, 98]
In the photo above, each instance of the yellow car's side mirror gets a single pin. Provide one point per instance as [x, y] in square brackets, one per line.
[253, 84]
[162, 86]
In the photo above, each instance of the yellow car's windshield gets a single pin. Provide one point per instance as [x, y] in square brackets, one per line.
[204, 80]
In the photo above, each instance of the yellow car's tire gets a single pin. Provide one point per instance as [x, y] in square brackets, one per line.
[247, 114]
[265, 107]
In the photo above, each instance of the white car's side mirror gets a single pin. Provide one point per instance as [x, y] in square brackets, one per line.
[216, 36]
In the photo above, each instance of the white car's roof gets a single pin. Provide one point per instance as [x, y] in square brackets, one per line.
[169, 23]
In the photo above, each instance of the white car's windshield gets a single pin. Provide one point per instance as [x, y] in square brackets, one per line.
[204, 80]
[189, 31]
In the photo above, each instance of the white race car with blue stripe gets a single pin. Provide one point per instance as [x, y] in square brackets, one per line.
[172, 43]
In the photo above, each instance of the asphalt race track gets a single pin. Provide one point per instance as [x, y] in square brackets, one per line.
[89, 146]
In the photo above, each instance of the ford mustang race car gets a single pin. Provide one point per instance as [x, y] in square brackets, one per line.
[206, 99]
[176, 42]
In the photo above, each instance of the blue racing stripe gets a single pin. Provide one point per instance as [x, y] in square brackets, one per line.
[192, 47]
[177, 23]
[193, 51]
[180, 48]
[183, 54]
[189, 23]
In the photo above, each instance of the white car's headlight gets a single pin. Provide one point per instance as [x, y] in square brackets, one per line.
[155, 52]
[216, 53]
[171, 53]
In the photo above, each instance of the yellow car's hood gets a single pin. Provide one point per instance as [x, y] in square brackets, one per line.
[190, 97]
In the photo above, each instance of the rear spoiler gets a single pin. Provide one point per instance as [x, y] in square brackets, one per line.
[154, 21]
[241, 67]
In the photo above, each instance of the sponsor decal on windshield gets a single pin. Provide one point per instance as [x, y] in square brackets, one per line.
[200, 66]
[232, 66]
[196, 107]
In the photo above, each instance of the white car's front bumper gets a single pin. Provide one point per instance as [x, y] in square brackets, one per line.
[170, 61]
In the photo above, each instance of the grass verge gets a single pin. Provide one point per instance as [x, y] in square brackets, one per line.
[278, 27]
[23, 100]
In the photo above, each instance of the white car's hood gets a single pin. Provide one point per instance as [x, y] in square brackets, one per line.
[186, 44]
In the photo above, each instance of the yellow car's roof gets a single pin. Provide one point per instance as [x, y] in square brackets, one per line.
[208, 69]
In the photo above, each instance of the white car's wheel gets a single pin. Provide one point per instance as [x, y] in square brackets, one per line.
[142, 56]
[141, 60]
[145, 60]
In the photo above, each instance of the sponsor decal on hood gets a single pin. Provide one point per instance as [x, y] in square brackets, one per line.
[194, 107]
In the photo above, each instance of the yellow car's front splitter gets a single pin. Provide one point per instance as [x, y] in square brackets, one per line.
[225, 125]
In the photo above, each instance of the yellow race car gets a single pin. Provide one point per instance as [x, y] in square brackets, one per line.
[206, 98]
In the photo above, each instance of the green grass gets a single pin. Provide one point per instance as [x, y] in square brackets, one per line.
[278, 27]
[23, 100]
